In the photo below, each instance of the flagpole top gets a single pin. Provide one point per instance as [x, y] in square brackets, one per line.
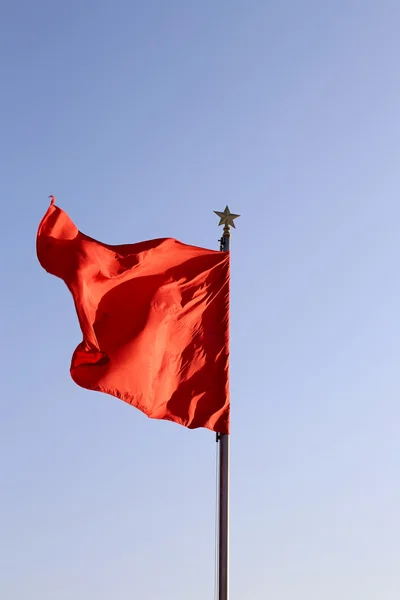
[226, 219]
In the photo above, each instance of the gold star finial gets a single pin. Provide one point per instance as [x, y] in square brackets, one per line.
[226, 217]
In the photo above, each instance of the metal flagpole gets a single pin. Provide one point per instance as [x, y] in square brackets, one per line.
[226, 219]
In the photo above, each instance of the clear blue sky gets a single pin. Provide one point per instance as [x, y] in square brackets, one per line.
[142, 118]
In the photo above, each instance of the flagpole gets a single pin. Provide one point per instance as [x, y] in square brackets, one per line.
[226, 219]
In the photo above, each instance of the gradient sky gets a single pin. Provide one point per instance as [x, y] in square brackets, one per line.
[142, 118]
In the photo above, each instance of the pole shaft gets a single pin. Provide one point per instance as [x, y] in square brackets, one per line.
[223, 534]
[223, 525]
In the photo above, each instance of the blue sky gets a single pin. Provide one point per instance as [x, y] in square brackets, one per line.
[142, 118]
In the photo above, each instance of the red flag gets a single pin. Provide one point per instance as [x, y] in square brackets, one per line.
[154, 317]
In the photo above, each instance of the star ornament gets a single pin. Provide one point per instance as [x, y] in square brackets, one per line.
[226, 217]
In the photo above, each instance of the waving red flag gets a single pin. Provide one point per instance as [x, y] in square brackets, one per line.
[154, 317]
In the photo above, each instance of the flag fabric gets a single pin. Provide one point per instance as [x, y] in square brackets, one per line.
[154, 317]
